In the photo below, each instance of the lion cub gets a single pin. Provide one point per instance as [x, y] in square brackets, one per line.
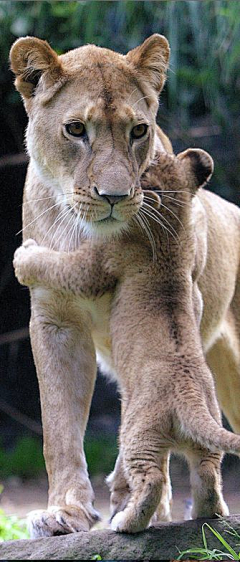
[168, 394]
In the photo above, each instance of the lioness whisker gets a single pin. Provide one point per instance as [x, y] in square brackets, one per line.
[135, 90]
[147, 228]
[153, 217]
[162, 225]
[143, 98]
[149, 198]
[162, 191]
[60, 215]
[71, 232]
[49, 197]
[174, 214]
[72, 218]
[38, 217]
[77, 230]
[178, 202]
[160, 216]
[52, 244]
[140, 222]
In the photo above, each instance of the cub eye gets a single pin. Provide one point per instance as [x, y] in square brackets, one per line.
[139, 131]
[76, 129]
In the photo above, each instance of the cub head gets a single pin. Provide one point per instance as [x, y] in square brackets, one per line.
[92, 129]
[181, 174]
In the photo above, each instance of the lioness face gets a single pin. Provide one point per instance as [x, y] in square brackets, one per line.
[92, 124]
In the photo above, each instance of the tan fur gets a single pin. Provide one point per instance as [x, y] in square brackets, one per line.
[151, 302]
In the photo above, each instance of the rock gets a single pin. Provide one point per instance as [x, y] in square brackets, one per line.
[162, 542]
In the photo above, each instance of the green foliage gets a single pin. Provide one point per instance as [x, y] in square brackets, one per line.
[206, 553]
[203, 79]
[26, 459]
[204, 39]
[101, 454]
[11, 527]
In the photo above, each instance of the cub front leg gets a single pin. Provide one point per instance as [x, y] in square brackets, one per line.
[82, 273]
[66, 367]
[26, 262]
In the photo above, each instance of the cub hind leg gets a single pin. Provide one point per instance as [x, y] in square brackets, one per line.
[120, 490]
[206, 483]
[142, 453]
[164, 508]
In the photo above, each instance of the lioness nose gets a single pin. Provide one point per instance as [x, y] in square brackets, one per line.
[112, 199]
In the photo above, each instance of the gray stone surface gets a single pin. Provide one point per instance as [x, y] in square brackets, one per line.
[157, 543]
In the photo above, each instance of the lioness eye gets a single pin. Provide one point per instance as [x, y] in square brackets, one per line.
[76, 129]
[139, 131]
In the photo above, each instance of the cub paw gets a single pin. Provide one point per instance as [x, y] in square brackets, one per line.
[127, 522]
[23, 259]
[163, 511]
[120, 492]
[60, 521]
[118, 522]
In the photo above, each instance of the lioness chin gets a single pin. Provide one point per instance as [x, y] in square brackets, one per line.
[153, 282]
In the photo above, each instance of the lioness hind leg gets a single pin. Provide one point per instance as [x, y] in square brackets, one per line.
[66, 368]
[224, 361]
[206, 483]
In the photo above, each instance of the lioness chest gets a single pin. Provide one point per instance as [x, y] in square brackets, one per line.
[99, 312]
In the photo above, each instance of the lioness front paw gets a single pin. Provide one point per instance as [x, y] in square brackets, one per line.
[24, 261]
[60, 521]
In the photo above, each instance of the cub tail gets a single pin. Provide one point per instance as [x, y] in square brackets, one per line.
[198, 424]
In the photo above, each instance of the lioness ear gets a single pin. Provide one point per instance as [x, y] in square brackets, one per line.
[30, 59]
[151, 60]
[200, 165]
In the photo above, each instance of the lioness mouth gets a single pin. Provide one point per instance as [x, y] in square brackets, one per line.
[108, 219]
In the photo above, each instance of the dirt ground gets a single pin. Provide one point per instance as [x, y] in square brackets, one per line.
[20, 497]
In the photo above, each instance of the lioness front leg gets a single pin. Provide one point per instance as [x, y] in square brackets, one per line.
[65, 360]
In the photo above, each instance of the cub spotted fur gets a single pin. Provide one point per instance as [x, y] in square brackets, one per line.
[161, 282]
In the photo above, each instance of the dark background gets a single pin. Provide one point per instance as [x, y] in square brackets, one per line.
[199, 107]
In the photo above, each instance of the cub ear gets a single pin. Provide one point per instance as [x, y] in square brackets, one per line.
[31, 58]
[151, 60]
[200, 165]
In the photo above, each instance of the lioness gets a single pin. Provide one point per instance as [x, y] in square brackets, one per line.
[91, 135]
